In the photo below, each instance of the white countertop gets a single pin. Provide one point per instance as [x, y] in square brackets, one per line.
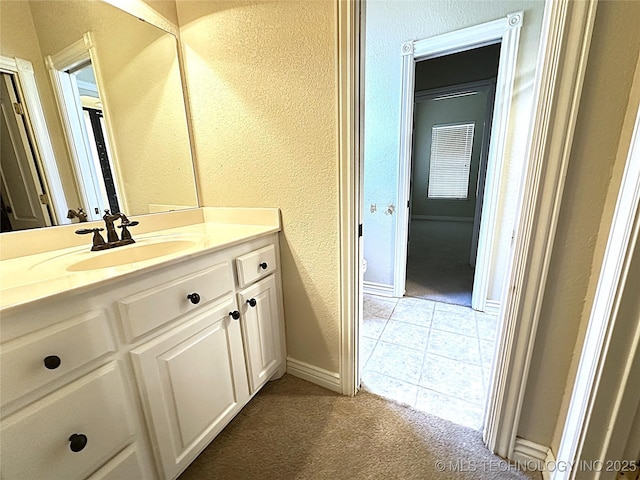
[36, 276]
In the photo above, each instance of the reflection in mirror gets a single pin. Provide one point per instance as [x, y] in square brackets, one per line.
[134, 119]
[21, 189]
[73, 78]
[102, 169]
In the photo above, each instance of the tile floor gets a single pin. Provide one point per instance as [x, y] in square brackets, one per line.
[433, 356]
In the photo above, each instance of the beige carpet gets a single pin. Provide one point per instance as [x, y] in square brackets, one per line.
[296, 430]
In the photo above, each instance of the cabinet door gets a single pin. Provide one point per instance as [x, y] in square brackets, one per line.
[193, 381]
[261, 331]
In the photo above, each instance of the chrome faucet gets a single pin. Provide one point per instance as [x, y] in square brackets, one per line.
[112, 236]
[79, 214]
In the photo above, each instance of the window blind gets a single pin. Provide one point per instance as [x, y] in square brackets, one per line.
[451, 147]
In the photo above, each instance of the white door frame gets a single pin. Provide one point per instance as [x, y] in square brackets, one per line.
[507, 31]
[23, 70]
[564, 46]
[599, 419]
[566, 36]
[350, 114]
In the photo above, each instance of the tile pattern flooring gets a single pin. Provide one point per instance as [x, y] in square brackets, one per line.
[433, 356]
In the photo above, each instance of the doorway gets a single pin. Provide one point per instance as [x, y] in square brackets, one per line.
[422, 343]
[453, 107]
[429, 349]
[22, 193]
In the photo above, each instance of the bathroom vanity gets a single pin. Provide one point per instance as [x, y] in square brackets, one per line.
[127, 363]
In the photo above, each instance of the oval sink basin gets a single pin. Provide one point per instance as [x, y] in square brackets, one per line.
[125, 255]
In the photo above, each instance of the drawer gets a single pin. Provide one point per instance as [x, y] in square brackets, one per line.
[36, 441]
[147, 310]
[36, 359]
[256, 264]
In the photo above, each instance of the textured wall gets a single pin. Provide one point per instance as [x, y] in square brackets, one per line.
[388, 25]
[18, 39]
[262, 84]
[141, 86]
[568, 296]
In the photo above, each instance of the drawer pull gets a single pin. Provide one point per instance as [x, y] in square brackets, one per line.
[235, 314]
[77, 442]
[194, 298]
[52, 362]
[252, 302]
[264, 265]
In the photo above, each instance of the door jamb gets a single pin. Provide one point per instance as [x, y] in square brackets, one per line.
[350, 103]
[564, 47]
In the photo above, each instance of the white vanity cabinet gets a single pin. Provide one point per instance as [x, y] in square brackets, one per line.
[194, 382]
[197, 375]
[134, 378]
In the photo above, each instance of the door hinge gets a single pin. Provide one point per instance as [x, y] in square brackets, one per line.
[44, 199]
[360, 230]
[17, 107]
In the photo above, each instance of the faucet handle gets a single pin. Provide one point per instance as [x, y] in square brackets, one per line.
[84, 231]
[98, 241]
[125, 235]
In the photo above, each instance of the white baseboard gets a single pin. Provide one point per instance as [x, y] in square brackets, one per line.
[492, 307]
[436, 218]
[533, 456]
[313, 374]
[378, 289]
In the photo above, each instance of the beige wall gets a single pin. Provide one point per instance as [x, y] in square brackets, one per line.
[166, 8]
[139, 80]
[584, 220]
[262, 83]
[18, 39]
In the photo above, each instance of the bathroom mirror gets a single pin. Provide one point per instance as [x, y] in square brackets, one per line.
[140, 97]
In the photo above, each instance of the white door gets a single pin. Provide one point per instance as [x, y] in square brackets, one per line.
[260, 329]
[20, 186]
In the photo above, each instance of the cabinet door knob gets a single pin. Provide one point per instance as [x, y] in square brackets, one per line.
[52, 362]
[264, 265]
[194, 298]
[77, 442]
[252, 302]
[235, 314]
